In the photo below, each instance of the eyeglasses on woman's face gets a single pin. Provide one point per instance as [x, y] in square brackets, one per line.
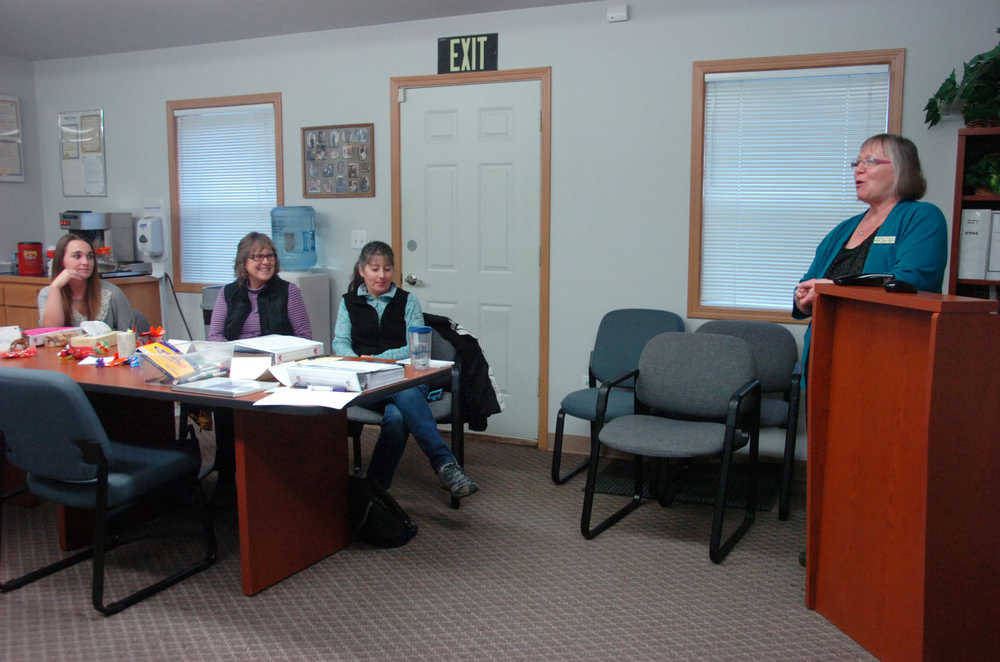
[262, 257]
[868, 162]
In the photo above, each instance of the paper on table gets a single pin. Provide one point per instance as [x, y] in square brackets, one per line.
[95, 327]
[280, 372]
[249, 367]
[300, 397]
[181, 345]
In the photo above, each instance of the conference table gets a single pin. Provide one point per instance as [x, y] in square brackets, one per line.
[291, 462]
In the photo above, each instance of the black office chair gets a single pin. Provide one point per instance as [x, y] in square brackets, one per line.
[695, 396]
[69, 460]
[446, 410]
[620, 338]
[776, 359]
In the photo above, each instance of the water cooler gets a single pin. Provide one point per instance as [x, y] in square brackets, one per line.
[293, 230]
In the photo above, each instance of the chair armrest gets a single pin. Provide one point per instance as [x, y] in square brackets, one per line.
[748, 396]
[591, 377]
[602, 394]
[90, 451]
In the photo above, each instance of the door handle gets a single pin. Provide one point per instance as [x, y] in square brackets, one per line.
[411, 279]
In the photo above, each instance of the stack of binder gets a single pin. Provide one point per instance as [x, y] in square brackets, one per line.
[344, 375]
[979, 248]
[281, 348]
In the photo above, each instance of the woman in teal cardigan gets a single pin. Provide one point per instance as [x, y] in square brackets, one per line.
[897, 235]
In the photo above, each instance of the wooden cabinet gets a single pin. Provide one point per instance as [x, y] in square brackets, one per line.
[19, 298]
[973, 144]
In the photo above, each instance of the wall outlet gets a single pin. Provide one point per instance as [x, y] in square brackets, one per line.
[617, 13]
[358, 238]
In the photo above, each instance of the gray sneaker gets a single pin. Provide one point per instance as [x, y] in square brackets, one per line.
[455, 481]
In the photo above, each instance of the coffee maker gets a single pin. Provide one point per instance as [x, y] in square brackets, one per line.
[113, 237]
[89, 225]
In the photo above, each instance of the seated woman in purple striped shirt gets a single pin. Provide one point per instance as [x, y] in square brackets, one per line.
[258, 302]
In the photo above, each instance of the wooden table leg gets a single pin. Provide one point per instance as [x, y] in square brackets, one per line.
[291, 480]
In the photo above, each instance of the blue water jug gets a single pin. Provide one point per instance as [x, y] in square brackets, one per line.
[293, 230]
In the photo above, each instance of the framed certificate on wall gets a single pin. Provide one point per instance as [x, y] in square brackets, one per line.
[81, 153]
[11, 151]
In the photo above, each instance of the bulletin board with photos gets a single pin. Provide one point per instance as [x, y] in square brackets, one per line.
[338, 161]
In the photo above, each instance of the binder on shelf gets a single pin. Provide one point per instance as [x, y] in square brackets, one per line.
[345, 375]
[974, 245]
[993, 265]
[281, 348]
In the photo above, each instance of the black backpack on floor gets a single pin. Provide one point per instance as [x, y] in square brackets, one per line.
[375, 517]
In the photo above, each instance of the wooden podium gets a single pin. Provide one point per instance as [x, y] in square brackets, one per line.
[903, 497]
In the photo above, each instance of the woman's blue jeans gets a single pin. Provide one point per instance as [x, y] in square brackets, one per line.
[406, 411]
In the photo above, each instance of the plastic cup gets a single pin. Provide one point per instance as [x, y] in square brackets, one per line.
[419, 338]
[126, 344]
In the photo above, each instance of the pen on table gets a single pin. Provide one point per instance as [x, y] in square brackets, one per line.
[318, 387]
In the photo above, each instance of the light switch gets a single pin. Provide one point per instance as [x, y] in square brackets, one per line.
[358, 238]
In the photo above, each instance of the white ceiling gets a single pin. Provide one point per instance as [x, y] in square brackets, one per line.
[47, 29]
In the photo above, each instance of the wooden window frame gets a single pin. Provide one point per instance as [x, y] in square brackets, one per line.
[894, 58]
[177, 222]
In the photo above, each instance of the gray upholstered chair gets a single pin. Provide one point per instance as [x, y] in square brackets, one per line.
[620, 338]
[447, 409]
[776, 358]
[695, 396]
[69, 460]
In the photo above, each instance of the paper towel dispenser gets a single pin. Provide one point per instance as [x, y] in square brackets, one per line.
[149, 236]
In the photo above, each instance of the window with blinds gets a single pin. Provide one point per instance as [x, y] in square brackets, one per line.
[774, 177]
[227, 181]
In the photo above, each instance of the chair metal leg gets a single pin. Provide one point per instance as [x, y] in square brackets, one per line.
[557, 449]
[101, 547]
[458, 450]
[354, 432]
[588, 495]
[718, 550]
[784, 492]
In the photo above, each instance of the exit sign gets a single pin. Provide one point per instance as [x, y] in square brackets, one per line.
[470, 53]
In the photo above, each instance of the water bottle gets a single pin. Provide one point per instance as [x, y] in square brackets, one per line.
[293, 230]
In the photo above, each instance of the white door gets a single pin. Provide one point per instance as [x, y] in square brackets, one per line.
[470, 163]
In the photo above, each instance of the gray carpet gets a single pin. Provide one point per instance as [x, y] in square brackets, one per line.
[506, 577]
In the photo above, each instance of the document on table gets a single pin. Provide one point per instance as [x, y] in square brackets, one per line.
[301, 397]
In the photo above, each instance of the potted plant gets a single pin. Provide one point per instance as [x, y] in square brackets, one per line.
[984, 175]
[977, 96]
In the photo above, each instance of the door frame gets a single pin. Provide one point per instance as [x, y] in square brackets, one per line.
[397, 87]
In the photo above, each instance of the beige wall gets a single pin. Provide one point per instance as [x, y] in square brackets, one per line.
[621, 123]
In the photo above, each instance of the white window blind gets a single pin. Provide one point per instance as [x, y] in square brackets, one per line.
[227, 184]
[776, 177]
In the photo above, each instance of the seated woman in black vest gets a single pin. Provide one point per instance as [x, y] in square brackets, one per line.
[372, 321]
[258, 302]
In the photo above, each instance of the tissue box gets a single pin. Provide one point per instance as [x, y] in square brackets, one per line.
[52, 336]
[109, 339]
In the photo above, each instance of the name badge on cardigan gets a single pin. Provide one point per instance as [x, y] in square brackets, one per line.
[886, 240]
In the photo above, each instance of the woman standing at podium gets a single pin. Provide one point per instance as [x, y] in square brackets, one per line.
[77, 293]
[897, 235]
